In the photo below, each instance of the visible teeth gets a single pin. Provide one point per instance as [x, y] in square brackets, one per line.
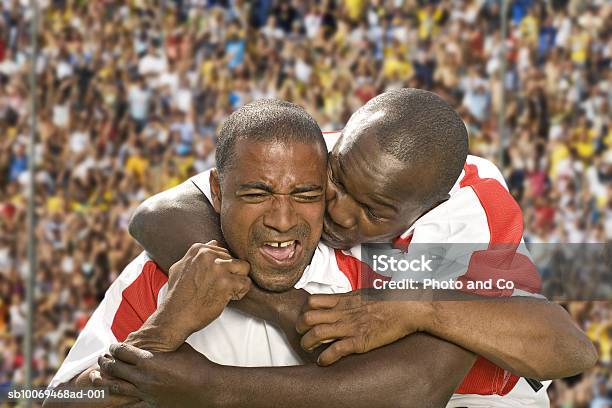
[280, 244]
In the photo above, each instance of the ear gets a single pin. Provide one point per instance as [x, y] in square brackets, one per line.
[215, 190]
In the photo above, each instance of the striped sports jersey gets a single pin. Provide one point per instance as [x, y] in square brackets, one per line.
[480, 210]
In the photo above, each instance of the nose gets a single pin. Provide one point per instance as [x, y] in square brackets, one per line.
[281, 215]
[341, 207]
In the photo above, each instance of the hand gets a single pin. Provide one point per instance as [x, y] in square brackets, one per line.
[200, 285]
[281, 308]
[357, 325]
[83, 380]
[181, 378]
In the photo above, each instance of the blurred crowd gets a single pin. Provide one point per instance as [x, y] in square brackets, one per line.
[130, 94]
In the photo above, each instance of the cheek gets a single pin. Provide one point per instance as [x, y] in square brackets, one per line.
[377, 231]
[342, 210]
[237, 221]
[312, 214]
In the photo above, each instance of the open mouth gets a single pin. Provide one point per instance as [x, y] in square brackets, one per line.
[281, 253]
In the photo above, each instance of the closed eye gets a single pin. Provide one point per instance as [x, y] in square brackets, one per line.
[308, 197]
[370, 214]
[255, 197]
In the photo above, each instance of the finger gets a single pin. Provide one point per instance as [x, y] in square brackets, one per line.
[336, 351]
[128, 353]
[323, 301]
[220, 253]
[204, 249]
[324, 333]
[118, 369]
[217, 248]
[214, 244]
[114, 386]
[235, 266]
[242, 284]
[351, 300]
[311, 318]
[193, 249]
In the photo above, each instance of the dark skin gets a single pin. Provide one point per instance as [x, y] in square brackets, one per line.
[506, 308]
[173, 210]
[371, 211]
[395, 366]
[371, 197]
[383, 378]
[149, 385]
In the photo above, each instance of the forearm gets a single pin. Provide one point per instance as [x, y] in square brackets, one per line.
[167, 328]
[529, 337]
[159, 333]
[282, 310]
[418, 370]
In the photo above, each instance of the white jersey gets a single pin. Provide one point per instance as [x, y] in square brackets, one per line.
[240, 340]
[234, 338]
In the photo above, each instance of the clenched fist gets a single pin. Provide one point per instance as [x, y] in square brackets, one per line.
[200, 285]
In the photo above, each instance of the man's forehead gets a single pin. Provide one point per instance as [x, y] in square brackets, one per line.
[277, 163]
[367, 169]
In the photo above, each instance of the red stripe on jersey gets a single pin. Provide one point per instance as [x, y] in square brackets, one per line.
[139, 301]
[505, 220]
[402, 243]
[359, 274]
[503, 213]
[498, 261]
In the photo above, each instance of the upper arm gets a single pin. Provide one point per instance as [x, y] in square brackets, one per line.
[168, 223]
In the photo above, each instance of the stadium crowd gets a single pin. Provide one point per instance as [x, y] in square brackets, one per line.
[130, 94]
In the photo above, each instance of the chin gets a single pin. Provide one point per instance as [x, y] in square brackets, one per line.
[337, 241]
[336, 244]
[274, 283]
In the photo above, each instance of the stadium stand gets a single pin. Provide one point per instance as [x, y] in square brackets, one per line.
[131, 93]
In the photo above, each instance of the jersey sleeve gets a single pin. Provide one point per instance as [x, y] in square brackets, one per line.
[478, 235]
[127, 304]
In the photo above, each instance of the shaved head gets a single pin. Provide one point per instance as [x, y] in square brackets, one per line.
[397, 158]
[418, 129]
[266, 120]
